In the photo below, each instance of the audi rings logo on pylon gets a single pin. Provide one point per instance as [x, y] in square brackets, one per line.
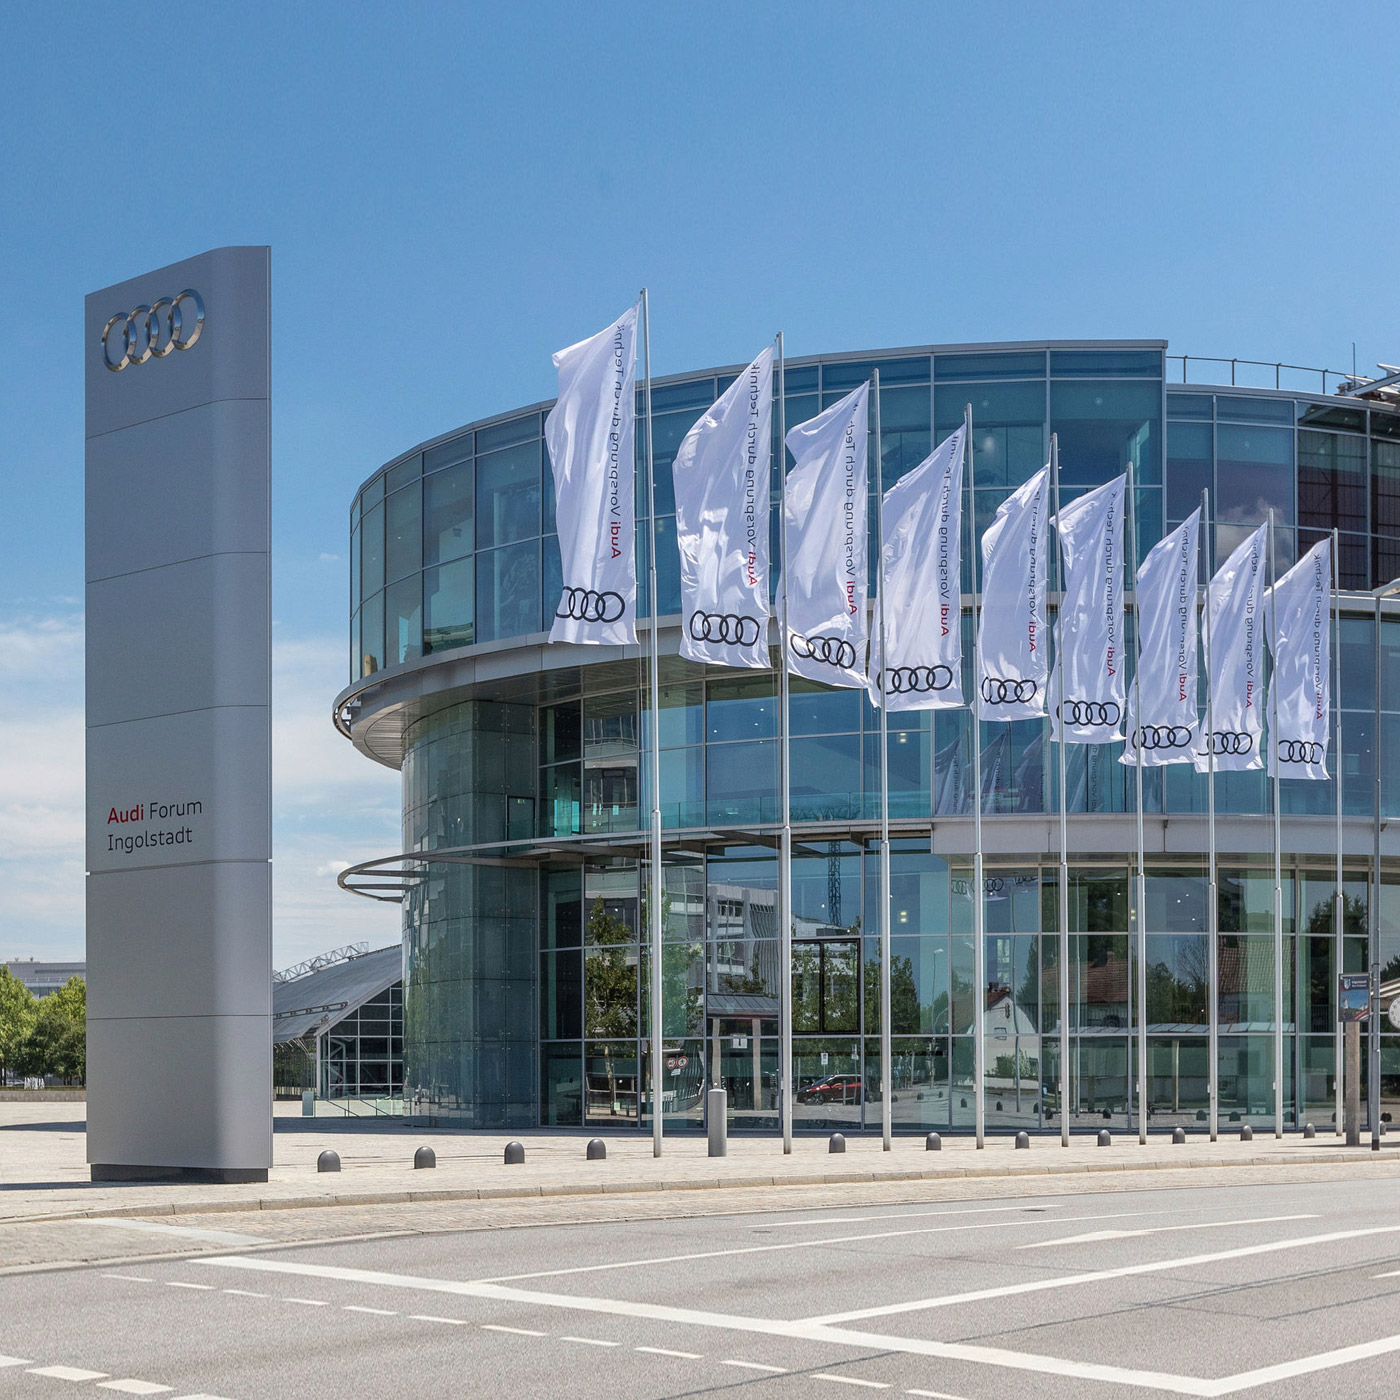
[1090, 712]
[1011, 691]
[1230, 742]
[724, 627]
[915, 680]
[588, 605]
[829, 651]
[152, 332]
[1299, 751]
[1162, 736]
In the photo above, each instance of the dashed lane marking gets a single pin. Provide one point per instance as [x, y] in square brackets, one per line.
[521, 1331]
[308, 1302]
[666, 1351]
[246, 1293]
[428, 1317]
[135, 1387]
[851, 1380]
[934, 1394]
[67, 1373]
[756, 1366]
[202, 1287]
[588, 1341]
[1097, 1236]
[377, 1312]
[129, 1278]
[14, 1361]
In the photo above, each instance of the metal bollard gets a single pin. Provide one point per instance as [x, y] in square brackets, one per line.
[328, 1161]
[1309, 1131]
[597, 1150]
[1105, 1138]
[933, 1143]
[1246, 1133]
[424, 1157]
[1178, 1136]
[308, 1103]
[1023, 1140]
[717, 1121]
[837, 1143]
[515, 1154]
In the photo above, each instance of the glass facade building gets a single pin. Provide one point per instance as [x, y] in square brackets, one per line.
[522, 870]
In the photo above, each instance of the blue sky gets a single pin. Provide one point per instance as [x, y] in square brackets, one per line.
[451, 192]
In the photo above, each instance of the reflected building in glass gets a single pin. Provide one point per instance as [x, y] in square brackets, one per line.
[522, 869]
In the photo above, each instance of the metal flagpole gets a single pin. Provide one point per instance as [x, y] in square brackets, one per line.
[654, 910]
[979, 942]
[1141, 884]
[1373, 942]
[1213, 912]
[1278, 846]
[886, 1055]
[1064, 823]
[1340, 916]
[784, 784]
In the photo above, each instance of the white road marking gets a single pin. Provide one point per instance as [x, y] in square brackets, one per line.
[666, 1351]
[14, 1361]
[201, 1396]
[790, 1244]
[129, 1278]
[589, 1341]
[915, 1215]
[1097, 1236]
[135, 1387]
[1394, 1273]
[809, 1330]
[428, 1317]
[934, 1394]
[154, 1227]
[378, 1312]
[756, 1366]
[978, 1295]
[308, 1302]
[851, 1380]
[518, 1331]
[66, 1373]
[202, 1287]
[246, 1293]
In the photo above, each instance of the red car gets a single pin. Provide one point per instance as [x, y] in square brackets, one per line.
[835, 1088]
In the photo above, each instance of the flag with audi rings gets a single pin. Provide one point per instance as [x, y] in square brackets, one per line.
[1011, 651]
[721, 482]
[1165, 729]
[1234, 625]
[1089, 628]
[921, 573]
[591, 431]
[1298, 619]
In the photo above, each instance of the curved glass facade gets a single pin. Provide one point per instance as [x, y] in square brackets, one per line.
[525, 994]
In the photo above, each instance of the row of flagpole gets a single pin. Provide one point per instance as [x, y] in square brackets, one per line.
[722, 471]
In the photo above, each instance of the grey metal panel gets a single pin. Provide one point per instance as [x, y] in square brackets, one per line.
[186, 943]
[205, 503]
[354, 981]
[185, 636]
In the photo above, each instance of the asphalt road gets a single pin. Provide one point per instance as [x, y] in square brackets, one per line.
[1265, 1290]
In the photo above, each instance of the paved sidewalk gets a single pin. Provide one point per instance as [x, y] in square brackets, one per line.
[43, 1172]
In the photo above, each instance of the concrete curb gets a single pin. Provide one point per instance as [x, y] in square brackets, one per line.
[640, 1186]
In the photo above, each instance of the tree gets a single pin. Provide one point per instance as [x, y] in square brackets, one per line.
[16, 1020]
[58, 1043]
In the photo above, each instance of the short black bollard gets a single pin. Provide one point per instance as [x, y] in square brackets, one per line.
[1178, 1136]
[1246, 1133]
[424, 1157]
[515, 1154]
[1309, 1131]
[1105, 1138]
[328, 1161]
[597, 1150]
[933, 1143]
[837, 1143]
[1023, 1139]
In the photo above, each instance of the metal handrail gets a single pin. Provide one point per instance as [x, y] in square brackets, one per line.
[1278, 366]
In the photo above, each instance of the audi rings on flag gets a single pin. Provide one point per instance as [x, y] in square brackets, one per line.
[825, 503]
[1164, 731]
[1235, 629]
[1011, 642]
[921, 573]
[1089, 628]
[1297, 615]
[591, 431]
[720, 477]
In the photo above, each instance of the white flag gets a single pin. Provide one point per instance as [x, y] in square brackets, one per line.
[721, 483]
[826, 541]
[1011, 660]
[1236, 679]
[1089, 629]
[1166, 680]
[591, 432]
[921, 568]
[1299, 618]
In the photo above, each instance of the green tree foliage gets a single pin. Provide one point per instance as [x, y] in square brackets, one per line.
[57, 1044]
[16, 1020]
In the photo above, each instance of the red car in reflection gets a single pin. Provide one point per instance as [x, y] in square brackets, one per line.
[835, 1088]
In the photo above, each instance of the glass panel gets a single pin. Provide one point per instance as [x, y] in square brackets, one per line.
[826, 777]
[1238, 408]
[1190, 467]
[372, 635]
[1254, 473]
[1117, 364]
[1015, 364]
[449, 453]
[741, 781]
[508, 495]
[1008, 423]
[1189, 405]
[513, 430]
[563, 910]
[1331, 481]
[561, 995]
[741, 707]
[508, 592]
[844, 375]
[1102, 427]
[402, 473]
[447, 514]
[448, 606]
[372, 551]
[404, 620]
[561, 1086]
[1313, 415]
[693, 393]
[403, 534]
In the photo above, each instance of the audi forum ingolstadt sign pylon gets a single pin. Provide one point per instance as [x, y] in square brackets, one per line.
[179, 945]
